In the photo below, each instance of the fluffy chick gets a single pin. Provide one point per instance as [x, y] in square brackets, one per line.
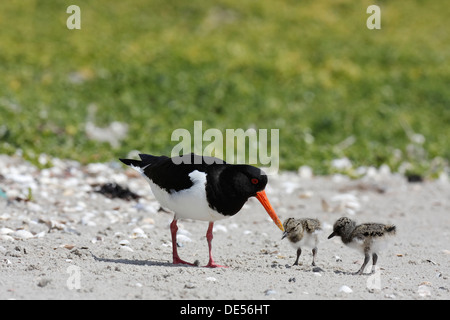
[368, 238]
[302, 233]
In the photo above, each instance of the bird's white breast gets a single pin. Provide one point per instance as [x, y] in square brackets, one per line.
[309, 240]
[376, 244]
[188, 203]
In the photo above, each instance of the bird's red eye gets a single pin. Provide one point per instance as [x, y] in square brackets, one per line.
[255, 181]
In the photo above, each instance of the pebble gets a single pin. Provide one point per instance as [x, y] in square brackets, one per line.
[22, 235]
[220, 227]
[424, 290]
[189, 285]
[305, 172]
[347, 203]
[44, 282]
[211, 279]
[6, 231]
[148, 221]
[138, 233]
[124, 242]
[67, 246]
[341, 164]
[306, 195]
[126, 248]
[5, 216]
[233, 226]
[345, 289]
[40, 234]
[289, 187]
[6, 237]
[97, 239]
[269, 292]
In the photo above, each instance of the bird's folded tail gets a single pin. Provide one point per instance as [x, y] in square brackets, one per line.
[146, 160]
[132, 163]
[149, 159]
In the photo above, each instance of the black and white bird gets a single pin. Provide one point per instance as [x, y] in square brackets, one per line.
[202, 188]
[302, 233]
[368, 238]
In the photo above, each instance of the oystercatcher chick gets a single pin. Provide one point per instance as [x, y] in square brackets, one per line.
[302, 233]
[202, 188]
[368, 238]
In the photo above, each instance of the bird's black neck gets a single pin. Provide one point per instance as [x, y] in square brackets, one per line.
[221, 193]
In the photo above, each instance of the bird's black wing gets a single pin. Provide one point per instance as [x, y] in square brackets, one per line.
[172, 174]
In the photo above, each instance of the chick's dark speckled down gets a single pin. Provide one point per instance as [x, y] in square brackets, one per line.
[369, 238]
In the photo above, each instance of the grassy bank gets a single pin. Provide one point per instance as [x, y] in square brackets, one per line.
[311, 69]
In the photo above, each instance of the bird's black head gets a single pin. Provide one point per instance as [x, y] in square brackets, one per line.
[342, 227]
[247, 180]
[244, 181]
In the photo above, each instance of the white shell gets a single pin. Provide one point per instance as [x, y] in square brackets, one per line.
[6, 237]
[138, 233]
[6, 231]
[127, 248]
[424, 291]
[220, 227]
[345, 289]
[124, 242]
[22, 234]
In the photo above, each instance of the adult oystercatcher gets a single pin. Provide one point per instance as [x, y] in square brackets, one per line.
[202, 188]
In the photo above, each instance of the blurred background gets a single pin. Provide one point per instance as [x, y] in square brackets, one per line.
[139, 69]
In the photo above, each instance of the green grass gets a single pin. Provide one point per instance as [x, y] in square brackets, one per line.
[311, 69]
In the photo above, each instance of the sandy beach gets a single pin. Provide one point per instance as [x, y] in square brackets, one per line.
[60, 239]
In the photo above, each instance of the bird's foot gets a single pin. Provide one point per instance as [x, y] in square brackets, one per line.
[358, 273]
[177, 260]
[212, 264]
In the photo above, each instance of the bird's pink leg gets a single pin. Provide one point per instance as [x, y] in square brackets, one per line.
[173, 231]
[209, 237]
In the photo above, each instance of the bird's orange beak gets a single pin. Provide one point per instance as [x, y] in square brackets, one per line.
[262, 197]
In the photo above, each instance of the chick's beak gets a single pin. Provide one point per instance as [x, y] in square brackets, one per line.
[331, 235]
[284, 235]
[262, 197]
